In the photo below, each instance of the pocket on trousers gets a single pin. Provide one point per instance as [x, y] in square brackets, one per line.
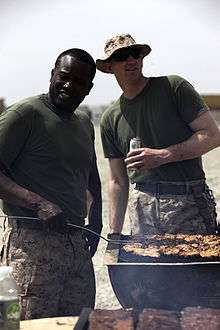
[142, 212]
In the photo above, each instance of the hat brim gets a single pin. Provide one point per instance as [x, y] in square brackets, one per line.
[101, 62]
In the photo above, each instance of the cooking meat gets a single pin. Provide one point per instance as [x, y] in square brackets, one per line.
[180, 245]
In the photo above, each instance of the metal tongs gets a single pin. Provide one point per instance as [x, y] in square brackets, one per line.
[115, 238]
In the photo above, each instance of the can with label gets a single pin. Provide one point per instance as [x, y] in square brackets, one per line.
[135, 143]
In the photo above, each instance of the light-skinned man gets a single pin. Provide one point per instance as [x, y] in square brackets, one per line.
[168, 193]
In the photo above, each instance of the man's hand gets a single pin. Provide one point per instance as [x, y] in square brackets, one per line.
[47, 210]
[146, 158]
[92, 240]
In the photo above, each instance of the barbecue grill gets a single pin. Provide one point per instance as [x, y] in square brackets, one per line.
[171, 284]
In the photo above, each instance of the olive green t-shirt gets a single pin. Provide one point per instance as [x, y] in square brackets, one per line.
[48, 154]
[160, 115]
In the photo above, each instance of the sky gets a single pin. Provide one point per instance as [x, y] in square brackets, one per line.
[184, 36]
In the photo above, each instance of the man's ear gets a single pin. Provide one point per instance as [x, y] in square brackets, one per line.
[51, 75]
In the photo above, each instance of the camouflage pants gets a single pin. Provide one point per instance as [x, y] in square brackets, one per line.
[156, 214]
[53, 271]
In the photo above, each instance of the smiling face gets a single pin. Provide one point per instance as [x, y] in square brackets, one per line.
[126, 64]
[71, 81]
[127, 70]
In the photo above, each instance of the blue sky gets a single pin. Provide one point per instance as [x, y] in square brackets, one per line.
[183, 34]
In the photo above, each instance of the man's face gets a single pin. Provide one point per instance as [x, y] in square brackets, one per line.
[70, 82]
[127, 64]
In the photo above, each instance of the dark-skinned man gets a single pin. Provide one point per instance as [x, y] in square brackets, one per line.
[48, 164]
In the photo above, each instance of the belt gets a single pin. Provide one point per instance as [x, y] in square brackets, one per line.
[44, 226]
[169, 188]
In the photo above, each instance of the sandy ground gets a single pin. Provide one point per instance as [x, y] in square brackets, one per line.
[105, 295]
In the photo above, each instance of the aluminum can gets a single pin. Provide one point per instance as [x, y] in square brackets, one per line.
[135, 143]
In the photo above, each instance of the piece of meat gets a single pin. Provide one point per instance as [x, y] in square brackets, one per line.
[196, 318]
[139, 249]
[119, 319]
[197, 247]
[158, 319]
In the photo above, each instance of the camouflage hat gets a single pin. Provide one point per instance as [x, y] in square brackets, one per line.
[117, 42]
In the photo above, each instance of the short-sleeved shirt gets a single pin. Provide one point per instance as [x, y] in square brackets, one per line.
[48, 154]
[160, 115]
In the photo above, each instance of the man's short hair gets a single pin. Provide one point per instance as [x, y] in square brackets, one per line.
[81, 55]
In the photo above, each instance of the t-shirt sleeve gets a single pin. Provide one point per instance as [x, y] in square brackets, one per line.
[109, 145]
[188, 101]
[14, 131]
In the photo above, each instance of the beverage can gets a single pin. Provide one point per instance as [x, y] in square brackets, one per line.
[135, 143]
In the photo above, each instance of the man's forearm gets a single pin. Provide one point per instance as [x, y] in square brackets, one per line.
[118, 199]
[206, 137]
[11, 192]
[15, 194]
[197, 145]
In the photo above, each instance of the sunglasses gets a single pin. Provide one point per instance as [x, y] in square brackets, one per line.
[123, 54]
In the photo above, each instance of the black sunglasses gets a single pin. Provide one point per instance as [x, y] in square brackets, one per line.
[123, 54]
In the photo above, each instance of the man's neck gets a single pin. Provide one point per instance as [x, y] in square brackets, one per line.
[59, 111]
[132, 88]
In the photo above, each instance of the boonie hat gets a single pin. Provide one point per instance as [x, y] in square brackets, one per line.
[118, 42]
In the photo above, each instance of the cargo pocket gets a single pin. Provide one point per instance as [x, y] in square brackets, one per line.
[180, 214]
[142, 212]
[206, 205]
[211, 206]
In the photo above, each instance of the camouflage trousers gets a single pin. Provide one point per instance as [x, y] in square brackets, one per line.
[157, 214]
[53, 271]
